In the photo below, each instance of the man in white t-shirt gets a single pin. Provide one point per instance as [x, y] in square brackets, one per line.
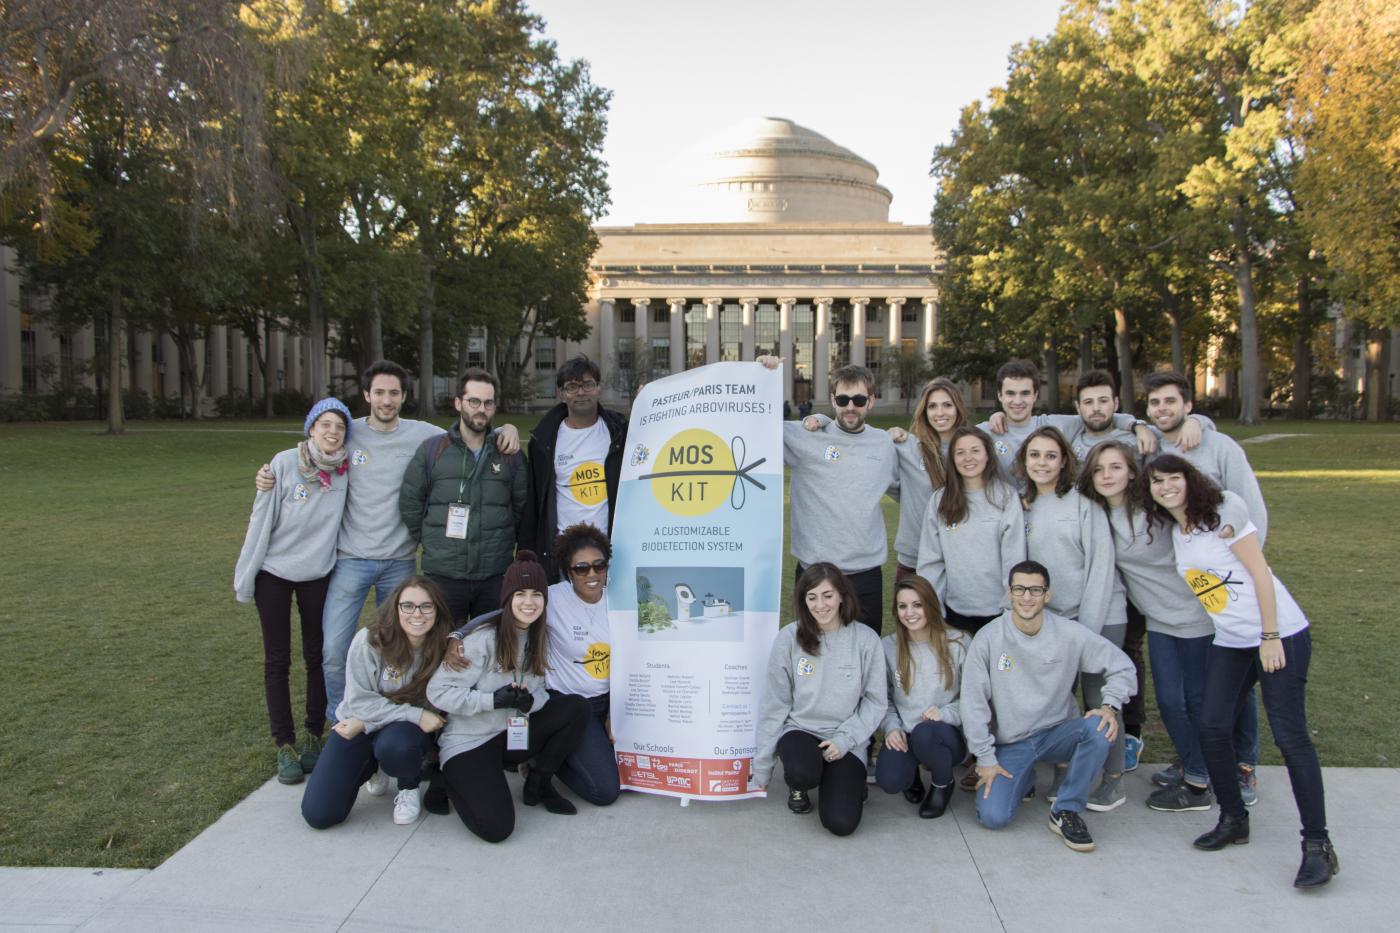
[575, 462]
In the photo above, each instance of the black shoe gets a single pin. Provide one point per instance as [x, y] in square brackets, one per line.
[1319, 864]
[1230, 831]
[936, 802]
[539, 789]
[914, 793]
[1069, 826]
[435, 797]
[799, 802]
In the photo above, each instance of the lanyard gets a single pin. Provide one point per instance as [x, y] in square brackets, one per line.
[476, 468]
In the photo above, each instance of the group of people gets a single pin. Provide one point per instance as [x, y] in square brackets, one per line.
[1034, 554]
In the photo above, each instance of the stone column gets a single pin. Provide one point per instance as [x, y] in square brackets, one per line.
[218, 362]
[677, 334]
[141, 361]
[84, 349]
[199, 408]
[607, 346]
[11, 360]
[169, 366]
[294, 367]
[642, 321]
[238, 369]
[858, 331]
[821, 348]
[785, 343]
[46, 349]
[747, 341]
[712, 306]
[894, 328]
[930, 324]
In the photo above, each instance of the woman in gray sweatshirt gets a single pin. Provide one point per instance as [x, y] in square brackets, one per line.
[923, 664]
[385, 723]
[824, 698]
[499, 711]
[289, 550]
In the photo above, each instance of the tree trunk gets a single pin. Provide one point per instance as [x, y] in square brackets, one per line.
[1086, 351]
[1173, 308]
[1123, 345]
[1302, 354]
[374, 333]
[116, 423]
[315, 318]
[1377, 374]
[1051, 358]
[1110, 348]
[1250, 388]
[427, 405]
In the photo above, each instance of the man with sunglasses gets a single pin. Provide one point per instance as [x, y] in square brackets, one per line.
[575, 463]
[462, 500]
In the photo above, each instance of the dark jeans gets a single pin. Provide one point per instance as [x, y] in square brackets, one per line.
[591, 771]
[970, 624]
[273, 597]
[468, 599]
[869, 587]
[936, 745]
[345, 764]
[476, 782]
[1230, 676]
[1135, 710]
[840, 784]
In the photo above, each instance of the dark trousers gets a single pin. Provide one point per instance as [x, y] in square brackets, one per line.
[345, 764]
[468, 599]
[970, 624]
[591, 771]
[1230, 676]
[869, 587]
[936, 745]
[273, 597]
[1135, 710]
[840, 784]
[476, 782]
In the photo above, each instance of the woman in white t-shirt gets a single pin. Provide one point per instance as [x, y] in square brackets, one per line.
[1260, 635]
[579, 653]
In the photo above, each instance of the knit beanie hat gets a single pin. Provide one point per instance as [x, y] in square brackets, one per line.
[525, 573]
[323, 406]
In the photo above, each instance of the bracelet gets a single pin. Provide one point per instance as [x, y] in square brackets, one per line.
[1268, 636]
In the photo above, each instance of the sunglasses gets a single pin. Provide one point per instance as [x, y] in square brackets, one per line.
[857, 400]
[598, 566]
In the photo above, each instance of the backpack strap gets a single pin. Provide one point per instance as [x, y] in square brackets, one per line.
[434, 448]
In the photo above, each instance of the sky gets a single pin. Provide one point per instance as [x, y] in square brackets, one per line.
[887, 79]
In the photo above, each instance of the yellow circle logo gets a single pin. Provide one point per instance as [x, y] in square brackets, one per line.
[695, 473]
[587, 483]
[597, 660]
[1209, 589]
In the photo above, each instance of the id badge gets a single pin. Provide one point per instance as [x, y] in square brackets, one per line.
[457, 520]
[518, 734]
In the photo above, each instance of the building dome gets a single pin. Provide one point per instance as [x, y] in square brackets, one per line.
[770, 170]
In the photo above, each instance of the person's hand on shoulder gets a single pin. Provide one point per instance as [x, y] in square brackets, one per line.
[263, 479]
[768, 361]
[508, 439]
[997, 422]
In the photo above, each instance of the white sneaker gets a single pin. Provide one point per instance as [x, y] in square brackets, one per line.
[378, 784]
[407, 806]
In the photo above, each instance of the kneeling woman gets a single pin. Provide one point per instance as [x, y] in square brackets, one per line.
[924, 660]
[824, 698]
[385, 721]
[1260, 635]
[500, 712]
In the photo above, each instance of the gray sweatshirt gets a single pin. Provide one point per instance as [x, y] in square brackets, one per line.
[1219, 457]
[1148, 570]
[967, 564]
[367, 680]
[838, 480]
[293, 528]
[467, 696]
[1015, 685]
[372, 528]
[837, 694]
[906, 709]
[915, 487]
[1069, 535]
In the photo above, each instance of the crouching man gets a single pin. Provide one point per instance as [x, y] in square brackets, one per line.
[1018, 706]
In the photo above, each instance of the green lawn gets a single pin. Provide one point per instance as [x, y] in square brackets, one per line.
[137, 677]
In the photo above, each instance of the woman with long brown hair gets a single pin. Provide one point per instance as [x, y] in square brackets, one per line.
[385, 720]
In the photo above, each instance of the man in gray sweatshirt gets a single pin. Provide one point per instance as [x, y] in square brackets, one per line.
[1018, 706]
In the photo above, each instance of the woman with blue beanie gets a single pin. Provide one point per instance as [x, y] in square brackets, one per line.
[290, 550]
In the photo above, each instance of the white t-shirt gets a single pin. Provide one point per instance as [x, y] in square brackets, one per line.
[581, 490]
[1223, 585]
[579, 650]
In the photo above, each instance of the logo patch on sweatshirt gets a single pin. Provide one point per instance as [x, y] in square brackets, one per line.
[495, 469]
[358, 457]
[1001, 448]
[805, 667]
[832, 453]
[1005, 662]
[299, 493]
[393, 677]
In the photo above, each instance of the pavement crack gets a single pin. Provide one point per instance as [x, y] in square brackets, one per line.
[387, 865]
[970, 854]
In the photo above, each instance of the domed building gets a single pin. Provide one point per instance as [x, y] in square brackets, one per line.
[775, 240]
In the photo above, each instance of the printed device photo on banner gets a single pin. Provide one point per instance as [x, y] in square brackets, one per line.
[694, 588]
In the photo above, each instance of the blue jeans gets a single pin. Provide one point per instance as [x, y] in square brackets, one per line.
[1076, 741]
[350, 583]
[937, 745]
[591, 769]
[1178, 681]
[345, 764]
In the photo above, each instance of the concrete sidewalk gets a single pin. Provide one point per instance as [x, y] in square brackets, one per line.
[647, 864]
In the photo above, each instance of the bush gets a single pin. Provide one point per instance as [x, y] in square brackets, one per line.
[136, 404]
[168, 406]
[24, 408]
[237, 404]
[290, 403]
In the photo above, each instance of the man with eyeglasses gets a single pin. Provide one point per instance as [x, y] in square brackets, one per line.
[462, 500]
[575, 462]
[1018, 706]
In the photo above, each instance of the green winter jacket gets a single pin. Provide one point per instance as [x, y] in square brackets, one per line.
[492, 486]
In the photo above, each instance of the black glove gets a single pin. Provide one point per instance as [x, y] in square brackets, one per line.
[512, 696]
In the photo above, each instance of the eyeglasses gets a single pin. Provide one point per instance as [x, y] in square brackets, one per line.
[476, 404]
[1028, 590]
[599, 566]
[857, 400]
[408, 609]
[574, 388]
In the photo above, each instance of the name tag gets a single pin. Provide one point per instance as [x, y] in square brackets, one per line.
[518, 734]
[457, 520]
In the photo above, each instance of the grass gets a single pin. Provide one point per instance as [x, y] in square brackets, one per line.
[136, 677]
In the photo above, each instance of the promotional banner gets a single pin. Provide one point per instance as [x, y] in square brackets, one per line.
[694, 586]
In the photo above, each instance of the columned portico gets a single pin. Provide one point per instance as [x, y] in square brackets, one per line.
[894, 329]
[785, 342]
[677, 334]
[821, 348]
[712, 306]
[858, 330]
[218, 361]
[930, 324]
[141, 361]
[747, 344]
[607, 337]
[641, 321]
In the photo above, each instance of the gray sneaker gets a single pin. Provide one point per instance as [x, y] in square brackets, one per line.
[1108, 795]
[1177, 798]
[1171, 774]
[1249, 785]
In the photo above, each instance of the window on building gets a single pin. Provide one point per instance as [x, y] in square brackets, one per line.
[544, 354]
[839, 342]
[731, 333]
[29, 360]
[909, 313]
[874, 346]
[661, 314]
[802, 329]
[765, 330]
[695, 336]
[872, 312]
[65, 359]
[661, 356]
[627, 314]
